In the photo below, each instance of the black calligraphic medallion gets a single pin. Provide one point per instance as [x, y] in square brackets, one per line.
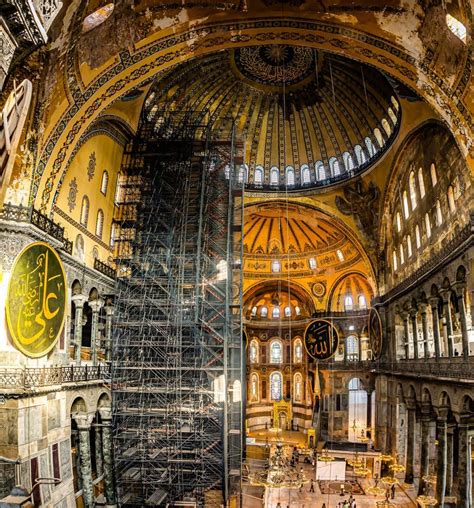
[321, 339]
[36, 299]
[375, 332]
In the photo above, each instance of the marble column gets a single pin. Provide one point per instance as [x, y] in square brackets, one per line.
[449, 322]
[460, 292]
[436, 333]
[425, 448]
[369, 411]
[83, 423]
[424, 327]
[410, 456]
[109, 312]
[449, 463]
[106, 416]
[79, 301]
[98, 449]
[95, 306]
[414, 328]
[442, 459]
[405, 316]
[464, 474]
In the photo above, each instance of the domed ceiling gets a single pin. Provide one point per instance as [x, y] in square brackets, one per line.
[307, 118]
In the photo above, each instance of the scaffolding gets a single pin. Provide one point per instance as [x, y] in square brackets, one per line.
[177, 369]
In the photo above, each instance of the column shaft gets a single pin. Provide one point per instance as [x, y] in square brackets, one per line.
[411, 421]
[424, 326]
[86, 468]
[78, 333]
[105, 413]
[436, 333]
[442, 460]
[463, 319]
[425, 452]
[464, 473]
[98, 450]
[407, 336]
[414, 326]
[449, 464]
[449, 323]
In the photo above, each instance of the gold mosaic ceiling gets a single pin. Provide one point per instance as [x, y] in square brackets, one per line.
[292, 106]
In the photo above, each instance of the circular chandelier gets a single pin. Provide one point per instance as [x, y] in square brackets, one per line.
[325, 457]
[386, 458]
[361, 471]
[389, 480]
[429, 478]
[396, 468]
[427, 500]
[279, 473]
[356, 462]
[375, 491]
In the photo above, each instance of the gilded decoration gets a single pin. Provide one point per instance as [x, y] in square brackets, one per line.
[319, 289]
[72, 196]
[36, 300]
[91, 166]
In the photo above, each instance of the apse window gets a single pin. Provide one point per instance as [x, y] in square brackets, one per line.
[276, 312]
[287, 312]
[458, 28]
[312, 263]
[254, 311]
[276, 266]
[348, 303]
[264, 312]
[362, 302]
[297, 311]
[276, 352]
[340, 255]
[258, 176]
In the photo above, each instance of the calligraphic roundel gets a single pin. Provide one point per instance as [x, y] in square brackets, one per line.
[321, 339]
[36, 300]
[375, 332]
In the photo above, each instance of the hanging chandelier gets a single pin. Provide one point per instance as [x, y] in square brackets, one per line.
[356, 462]
[427, 500]
[279, 473]
[389, 480]
[361, 471]
[429, 478]
[325, 457]
[386, 458]
[375, 491]
[396, 468]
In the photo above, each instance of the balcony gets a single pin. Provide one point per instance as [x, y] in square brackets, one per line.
[30, 379]
[441, 369]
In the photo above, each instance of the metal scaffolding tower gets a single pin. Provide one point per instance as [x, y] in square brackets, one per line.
[177, 371]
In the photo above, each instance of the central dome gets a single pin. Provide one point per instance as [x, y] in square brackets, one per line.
[306, 118]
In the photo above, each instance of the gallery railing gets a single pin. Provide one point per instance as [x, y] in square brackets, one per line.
[453, 368]
[31, 378]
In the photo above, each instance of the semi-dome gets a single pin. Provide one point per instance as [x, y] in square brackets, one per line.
[306, 118]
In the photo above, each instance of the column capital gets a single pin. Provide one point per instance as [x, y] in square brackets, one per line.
[445, 294]
[405, 315]
[79, 299]
[83, 420]
[434, 301]
[410, 404]
[423, 307]
[105, 413]
[96, 305]
[459, 287]
[109, 310]
[413, 312]
[441, 413]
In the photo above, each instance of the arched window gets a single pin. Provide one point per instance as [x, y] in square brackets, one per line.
[352, 348]
[360, 155]
[290, 176]
[312, 263]
[305, 174]
[258, 175]
[264, 312]
[254, 388]
[104, 183]
[395, 103]
[85, 211]
[409, 249]
[379, 137]
[439, 213]
[348, 303]
[227, 171]
[412, 186]
[276, 386]
[241, 174]
[370, 147]
[392, 116]
[276, 352]
[298, 351]
[276, 266]
[320, 170]
[399, 222]
[406, 209]
[402, 254]
[417, 236]
[287, 311]
[386, 126]
[362, 302]
[434, 176]
[451, 202]
[298, 392]
[348, 161]
[340, 255]
[297, 311]
[274, 177]
[427, 225]
[254, 311]
[334, 166]
[99, 225]
[394, 260]
[253, 353]
[458, 28]
[421, 183]
[276, 312]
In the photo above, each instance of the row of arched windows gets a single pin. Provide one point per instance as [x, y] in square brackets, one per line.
[276, 351]
[276, 387]
[349, 302]
[99, 223]
[276, 313]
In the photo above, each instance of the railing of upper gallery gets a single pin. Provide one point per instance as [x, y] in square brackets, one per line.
[458, 368]
[31, 378]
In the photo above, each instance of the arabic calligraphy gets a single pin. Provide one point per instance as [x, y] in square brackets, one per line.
[36, 300]
[321, 339]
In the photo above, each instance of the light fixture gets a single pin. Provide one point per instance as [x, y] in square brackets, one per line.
[356, 461]
[429, 478]
[427, 500]
[389, 480]
[373, 490]
[361, 471]
[386, 458]
[396, 468]
[325, 457]
[279, 473]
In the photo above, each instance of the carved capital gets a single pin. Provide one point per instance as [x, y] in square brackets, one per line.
[83, 420]
[96, 305]
[106, 414]
[79, 300]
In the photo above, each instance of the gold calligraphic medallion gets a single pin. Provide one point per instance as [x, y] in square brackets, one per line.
[36, 300]
[321, 339]
[375, 332]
